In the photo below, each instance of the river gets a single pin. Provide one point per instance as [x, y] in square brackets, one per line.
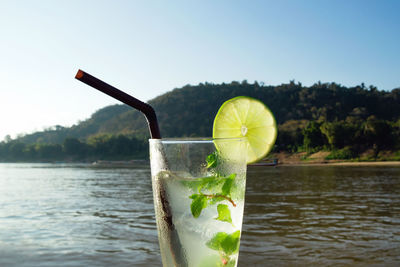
[80, 215]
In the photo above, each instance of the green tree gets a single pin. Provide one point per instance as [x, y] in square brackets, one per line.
[290, 135]
[335, 133]
[74, 148]
[313, 137]
[16, 151]
[49, 152]
[379, 134]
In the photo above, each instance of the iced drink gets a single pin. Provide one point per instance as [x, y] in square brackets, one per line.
[199, 199]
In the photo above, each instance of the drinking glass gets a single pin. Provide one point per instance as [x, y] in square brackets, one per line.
[198, 190]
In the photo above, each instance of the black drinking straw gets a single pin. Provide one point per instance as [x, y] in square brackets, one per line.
[145, 108]
[174, 241]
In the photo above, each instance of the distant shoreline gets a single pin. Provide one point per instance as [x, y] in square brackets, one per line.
[319, 159]
[281, 162]
[343, 163]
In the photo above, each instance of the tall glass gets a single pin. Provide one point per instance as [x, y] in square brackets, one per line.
[198, 189]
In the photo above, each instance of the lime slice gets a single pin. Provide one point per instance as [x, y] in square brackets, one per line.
[247, 117]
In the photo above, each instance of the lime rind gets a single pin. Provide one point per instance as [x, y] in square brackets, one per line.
[260, 125]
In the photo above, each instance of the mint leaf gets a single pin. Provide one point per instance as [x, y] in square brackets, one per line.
[215, 199]
[198, 184]
[198, 204]
[212, 183]
[215, 242]
[212, 160]
[230, 244]
[226, 188]
[194, 185]
[224, 214]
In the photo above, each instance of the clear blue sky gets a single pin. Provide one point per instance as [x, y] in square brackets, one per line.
[147, 48]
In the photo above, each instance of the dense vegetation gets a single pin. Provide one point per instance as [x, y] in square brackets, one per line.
[106, 147]
[325, 116]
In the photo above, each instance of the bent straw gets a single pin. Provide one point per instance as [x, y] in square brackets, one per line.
[166, 216]
[145, 108]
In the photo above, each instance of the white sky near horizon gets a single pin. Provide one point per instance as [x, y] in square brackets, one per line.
[147, 48]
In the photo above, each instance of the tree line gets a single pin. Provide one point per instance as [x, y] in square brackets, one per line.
[346, 139]
[98, 147]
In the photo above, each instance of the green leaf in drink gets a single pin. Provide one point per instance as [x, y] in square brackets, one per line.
[212, 160]
[215, 242]
[198, 204]
[226, 243]
[193, 185]
[230, 244]
[224, 214]
[211, 183]
[214, 200]
[226, 188]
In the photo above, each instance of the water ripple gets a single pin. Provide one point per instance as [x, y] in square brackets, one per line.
[77, 215]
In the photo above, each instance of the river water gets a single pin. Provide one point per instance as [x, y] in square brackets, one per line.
[79, 215]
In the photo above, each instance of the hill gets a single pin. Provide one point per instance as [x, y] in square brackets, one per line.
[309, 118]
[189, 111]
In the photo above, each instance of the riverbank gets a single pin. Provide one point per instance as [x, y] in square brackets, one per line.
[319, 158]
[280, 158]
[345, 163]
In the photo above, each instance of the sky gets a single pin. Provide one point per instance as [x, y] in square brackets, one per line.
[147, 48]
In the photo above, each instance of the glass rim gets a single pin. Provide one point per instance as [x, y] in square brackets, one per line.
[198, 140]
